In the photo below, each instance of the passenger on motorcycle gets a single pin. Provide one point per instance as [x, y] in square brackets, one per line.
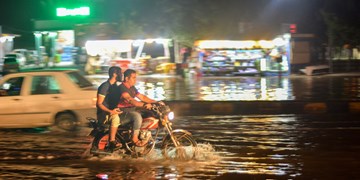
[107, 99]
[128, 104]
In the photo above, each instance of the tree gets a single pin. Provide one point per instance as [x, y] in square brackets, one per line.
[184, 21]
[342, 22]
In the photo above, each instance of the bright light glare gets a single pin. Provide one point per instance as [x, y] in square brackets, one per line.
[171, 115]
[81, 11]
[266, 44]
[279, 42]
[6, 38]
[100, 46]
[211, 44]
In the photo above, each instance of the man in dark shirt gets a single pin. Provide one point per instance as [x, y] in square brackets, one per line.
[128, 104]
[107, 99]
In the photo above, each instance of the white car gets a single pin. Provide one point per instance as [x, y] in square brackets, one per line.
[21, 59]
[45, 98]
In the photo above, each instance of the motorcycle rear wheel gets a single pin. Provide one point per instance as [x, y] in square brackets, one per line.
[185, 151]
[100, 143]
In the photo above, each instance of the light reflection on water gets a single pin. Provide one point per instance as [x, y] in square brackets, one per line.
[209, 89]
[230, 144]
[248, 88]
[263, 147]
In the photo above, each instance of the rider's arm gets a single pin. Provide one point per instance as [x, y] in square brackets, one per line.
[131, 100]
[99, 102]
[145, 99]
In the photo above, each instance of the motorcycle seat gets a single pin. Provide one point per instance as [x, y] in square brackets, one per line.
[125, 127]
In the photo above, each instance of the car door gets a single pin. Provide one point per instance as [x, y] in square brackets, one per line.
[44, 98]
[29, 101]
[11, 106]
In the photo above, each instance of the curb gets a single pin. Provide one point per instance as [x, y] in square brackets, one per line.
[193, 108]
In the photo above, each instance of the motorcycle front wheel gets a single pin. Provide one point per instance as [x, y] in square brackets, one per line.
[185, 150]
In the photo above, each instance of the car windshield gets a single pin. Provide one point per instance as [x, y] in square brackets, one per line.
[10, 56]
[80, 80]
[9, 60]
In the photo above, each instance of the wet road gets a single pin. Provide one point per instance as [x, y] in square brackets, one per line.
[232, 147]
[330, 87]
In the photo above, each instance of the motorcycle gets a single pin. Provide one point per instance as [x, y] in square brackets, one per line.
[174, 144]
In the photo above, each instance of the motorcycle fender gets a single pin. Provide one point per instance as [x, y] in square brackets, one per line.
[176, 131]
[181, 130]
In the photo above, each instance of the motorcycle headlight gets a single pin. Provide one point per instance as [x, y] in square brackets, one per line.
[171, 115]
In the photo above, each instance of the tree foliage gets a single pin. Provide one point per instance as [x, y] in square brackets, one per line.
[185, 20]
[342, 27]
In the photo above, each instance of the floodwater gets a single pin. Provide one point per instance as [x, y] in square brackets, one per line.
[239, 88]
[231, 147]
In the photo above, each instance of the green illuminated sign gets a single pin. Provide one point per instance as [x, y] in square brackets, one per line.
[81, 11]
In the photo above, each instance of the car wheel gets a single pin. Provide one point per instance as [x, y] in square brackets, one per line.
[66, 121]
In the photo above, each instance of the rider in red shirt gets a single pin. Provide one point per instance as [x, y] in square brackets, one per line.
[128, 104]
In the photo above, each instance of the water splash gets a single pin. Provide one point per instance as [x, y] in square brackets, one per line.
[206, 152]
[203, 152]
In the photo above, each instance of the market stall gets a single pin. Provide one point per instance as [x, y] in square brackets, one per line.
[226, 57]
[141, 55]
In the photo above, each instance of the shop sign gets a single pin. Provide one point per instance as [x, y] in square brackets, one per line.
[81, 11]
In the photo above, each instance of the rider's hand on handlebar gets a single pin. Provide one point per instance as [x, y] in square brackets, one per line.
[148, 106]
[161, 103]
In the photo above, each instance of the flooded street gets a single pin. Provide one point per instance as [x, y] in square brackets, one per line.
[239, 88]
[231, 147]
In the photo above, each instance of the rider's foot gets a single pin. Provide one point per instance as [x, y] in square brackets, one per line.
[112, 146]
[140, 143]
[135, 139]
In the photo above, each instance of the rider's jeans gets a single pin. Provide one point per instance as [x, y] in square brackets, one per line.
[131, 116]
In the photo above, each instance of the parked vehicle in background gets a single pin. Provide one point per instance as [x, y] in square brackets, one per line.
[45, 98]
[20, 51]
[31, 56]
[10, 64]
[19, 58]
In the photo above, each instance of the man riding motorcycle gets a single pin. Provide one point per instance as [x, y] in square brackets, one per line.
[107, 113]
[128, 104]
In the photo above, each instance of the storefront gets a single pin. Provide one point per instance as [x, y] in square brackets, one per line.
[277, 58]
[60, 40]
[226, 57]
[56, 47]
[6, 44]
[146, 55]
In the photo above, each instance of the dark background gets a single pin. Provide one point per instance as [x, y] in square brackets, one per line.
[191, 19]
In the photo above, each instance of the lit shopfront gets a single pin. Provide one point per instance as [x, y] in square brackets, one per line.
[146, 55]
[56, 47]
[227, 57]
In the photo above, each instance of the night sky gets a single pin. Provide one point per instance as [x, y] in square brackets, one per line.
[16, 15]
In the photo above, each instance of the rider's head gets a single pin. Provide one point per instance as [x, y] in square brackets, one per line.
[130, 76]
[115, 71]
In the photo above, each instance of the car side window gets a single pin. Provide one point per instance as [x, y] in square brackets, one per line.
[78, 79]
[44, 85]
[11, 87]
